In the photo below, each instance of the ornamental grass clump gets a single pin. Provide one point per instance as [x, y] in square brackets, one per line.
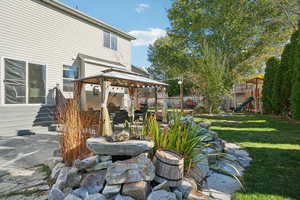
[75, 132]
[179, 137]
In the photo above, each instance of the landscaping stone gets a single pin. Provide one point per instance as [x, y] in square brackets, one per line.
[100, 166]
[238, 152]
[228, 167]
[86, 163]
[72, 197]
[111, 190]
[61, 180]
[121, 197]
[96, 197]
[209, 137]
[55, 171]
[239, 155]
[197, 195]
[187, 185]
[67, 190]
[178, 194]
[81, 192]
[162, 186]
[202, 131]
[52, 162]
[222, 183]
[138, 190]
[139, 168]
[230, 157]
[56, 194]
[217, 195]
[120, 137]
[73, 178]
[218, 145]
[161, 195]
[200, 170]
[210, 152]
[102, 158]
[94, 182]
[244, 161]
[231, 146]
[128, 148]
[205, 124]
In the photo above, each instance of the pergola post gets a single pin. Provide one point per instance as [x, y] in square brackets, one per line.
[101, 97]
[165, 108]
[79, 89]
[155, 100]
[105, 126]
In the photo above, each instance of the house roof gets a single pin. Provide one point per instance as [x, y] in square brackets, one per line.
[87, 18]
[122, 78]
[140, 70]
[100, 61]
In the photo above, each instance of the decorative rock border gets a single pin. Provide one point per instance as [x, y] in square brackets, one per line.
[99, 178]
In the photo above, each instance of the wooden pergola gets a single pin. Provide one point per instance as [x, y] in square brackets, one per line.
[115, 77]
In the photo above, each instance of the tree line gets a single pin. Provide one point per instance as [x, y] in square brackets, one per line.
[281, 88]
[214, 44]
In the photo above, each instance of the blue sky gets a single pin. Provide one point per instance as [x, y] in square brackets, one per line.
[145, 19]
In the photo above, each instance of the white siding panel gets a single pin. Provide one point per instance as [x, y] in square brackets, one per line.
[36, 32]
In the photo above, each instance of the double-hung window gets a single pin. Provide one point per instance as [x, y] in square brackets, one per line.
[110, 40]
[70, 73]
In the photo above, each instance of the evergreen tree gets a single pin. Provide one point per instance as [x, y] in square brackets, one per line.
[295, 99]
[286, 74]
[295, 93]
[276, 87]
[268, 85]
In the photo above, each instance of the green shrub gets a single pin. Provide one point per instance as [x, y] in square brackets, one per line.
[200, 108]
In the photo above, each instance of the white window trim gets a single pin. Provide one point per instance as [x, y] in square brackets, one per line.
[110, 40]
[71, 79]
[2, 86]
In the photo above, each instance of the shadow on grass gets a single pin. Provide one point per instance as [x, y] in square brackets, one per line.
[274, 145]
[255, 128]
[274, 172]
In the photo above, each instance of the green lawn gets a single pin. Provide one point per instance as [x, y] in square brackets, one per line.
[274, 145]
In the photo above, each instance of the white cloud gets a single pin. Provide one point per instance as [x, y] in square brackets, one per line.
[144, 38]
[141, 7]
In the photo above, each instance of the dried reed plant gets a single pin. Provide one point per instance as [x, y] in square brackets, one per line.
[77, 128]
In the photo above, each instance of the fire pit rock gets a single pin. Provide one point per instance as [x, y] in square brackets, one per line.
[101, 146]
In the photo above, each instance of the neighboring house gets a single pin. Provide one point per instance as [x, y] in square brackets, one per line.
[44, 44]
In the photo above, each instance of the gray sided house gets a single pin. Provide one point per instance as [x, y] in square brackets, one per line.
[45, 44]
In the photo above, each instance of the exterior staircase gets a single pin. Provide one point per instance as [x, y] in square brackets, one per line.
[27, 119]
